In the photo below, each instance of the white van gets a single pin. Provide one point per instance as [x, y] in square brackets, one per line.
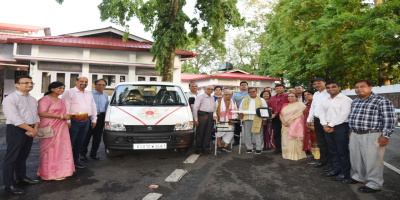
[148, 115]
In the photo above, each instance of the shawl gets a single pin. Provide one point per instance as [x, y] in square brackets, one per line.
[257, 122]
[293, 115]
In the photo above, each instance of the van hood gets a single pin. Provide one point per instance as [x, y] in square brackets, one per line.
[149, 115]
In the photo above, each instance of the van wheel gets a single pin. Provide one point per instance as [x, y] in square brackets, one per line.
[111, 153]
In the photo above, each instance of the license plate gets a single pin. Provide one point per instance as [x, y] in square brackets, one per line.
[150, 146]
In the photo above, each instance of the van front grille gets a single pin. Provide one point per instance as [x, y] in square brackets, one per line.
[149, 129]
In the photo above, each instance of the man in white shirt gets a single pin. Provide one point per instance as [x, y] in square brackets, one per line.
[252, 124]
[334, 115]
[320, 96]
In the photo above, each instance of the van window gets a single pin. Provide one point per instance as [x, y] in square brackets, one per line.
[148, 95]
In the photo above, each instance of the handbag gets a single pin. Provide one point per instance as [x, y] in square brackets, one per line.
[45, 132]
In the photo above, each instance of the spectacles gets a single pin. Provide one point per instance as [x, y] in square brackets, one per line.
[252, 91]
[27, 83]
[101, 84]
[209, 89]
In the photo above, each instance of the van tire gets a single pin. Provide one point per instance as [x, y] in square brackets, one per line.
[111, 153]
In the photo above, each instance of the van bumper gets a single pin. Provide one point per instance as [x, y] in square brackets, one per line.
[121, 140]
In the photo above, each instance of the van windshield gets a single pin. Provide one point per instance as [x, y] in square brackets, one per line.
[148, 95]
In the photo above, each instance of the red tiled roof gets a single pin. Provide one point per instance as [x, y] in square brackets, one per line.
[19, 27]
[225, 75]
[191, 77]
[92, 42]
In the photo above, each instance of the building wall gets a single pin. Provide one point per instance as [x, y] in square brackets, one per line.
[6, 52]
[392, 92]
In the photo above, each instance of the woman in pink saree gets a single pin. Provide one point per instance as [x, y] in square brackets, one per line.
[292, 118]
[56, 160]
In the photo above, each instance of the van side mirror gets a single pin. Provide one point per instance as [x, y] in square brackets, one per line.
[191, 100]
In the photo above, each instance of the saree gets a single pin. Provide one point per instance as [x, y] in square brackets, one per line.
[269, 142]
[56, 160]
[292, 136]
[310, 138]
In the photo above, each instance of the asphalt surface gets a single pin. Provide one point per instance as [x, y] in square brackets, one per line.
[226, 176]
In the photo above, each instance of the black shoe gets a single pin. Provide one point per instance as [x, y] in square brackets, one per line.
[249, 151]
[14, 190]
[199, 152]
[327, 168]
[318, 164]
[340, 177]
[82, 157]
[366, 189]
[227, 149]
[350, 181]
[94, 157]
[258, 152]
[80, 165]
[219, 149]
[27, 181]
[313, 162]
[330, 174]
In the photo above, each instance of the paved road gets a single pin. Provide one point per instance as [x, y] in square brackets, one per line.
[226, 176]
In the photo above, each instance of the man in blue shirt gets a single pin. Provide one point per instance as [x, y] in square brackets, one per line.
[238, 98]
[101, 100]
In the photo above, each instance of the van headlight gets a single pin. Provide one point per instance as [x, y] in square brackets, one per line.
[182, 126]
[114, 126]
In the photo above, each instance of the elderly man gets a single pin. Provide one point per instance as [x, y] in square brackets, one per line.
[101, 100]
[203, 110]
[80, 103]
[223, 113]
[252, 124]
[333, 117]
[21, 112]
[372, 120]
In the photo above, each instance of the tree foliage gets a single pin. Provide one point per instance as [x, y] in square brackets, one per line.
[166, 20]
[340, 40]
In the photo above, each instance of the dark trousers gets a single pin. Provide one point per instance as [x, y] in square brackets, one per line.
[18, 149]
[203, 131]
[96, 133]
[277, 126]
[321, 141]
[338, 146]
[77, 133]
[237, 131]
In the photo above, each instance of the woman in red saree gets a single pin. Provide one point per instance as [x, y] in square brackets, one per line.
[269, 142]
[56, 160]
[292, 119]
[310, 138]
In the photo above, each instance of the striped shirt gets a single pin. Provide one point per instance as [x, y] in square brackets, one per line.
[373, 113]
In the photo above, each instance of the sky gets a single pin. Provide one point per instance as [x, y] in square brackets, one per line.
[72, 16]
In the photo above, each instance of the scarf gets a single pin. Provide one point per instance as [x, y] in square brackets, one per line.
[257, 122]
[224, 110]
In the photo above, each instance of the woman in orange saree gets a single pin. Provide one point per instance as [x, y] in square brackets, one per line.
[56, 160]
[292, 118]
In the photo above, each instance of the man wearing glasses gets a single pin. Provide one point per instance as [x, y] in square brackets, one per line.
[21, 112]
[203, 119]
[298, 89]
[101, 100]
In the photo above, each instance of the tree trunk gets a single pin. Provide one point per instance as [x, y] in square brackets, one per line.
[170, 61]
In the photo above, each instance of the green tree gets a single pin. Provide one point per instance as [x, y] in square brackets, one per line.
[166, 20]
[206, 59]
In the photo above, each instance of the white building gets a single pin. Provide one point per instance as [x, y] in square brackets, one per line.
[96, 54]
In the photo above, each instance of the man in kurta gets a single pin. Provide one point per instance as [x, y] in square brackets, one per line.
[252, 124]
[223, 113]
